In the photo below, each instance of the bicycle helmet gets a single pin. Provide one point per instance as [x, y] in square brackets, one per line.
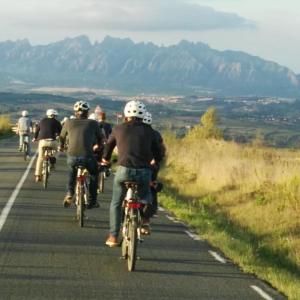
[24, 113]
[81, 106]
[135, 109]
[147, 118]
[51, 112]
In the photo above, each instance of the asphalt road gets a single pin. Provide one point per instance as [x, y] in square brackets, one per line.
[45, 255]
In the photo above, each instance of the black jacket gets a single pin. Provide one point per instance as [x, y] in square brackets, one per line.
[137, 145]
[48, 128]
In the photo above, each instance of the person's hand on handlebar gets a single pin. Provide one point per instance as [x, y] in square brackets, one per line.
[105, 162]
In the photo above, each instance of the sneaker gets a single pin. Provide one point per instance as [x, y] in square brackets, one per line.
[146, 229]
[38, 178]
[68, 200]
[112, 241]
[94, 204]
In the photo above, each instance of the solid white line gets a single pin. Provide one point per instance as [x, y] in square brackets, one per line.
[193, 236]
[261, 292]
[10, 202]
[217, 257]
[170, 218]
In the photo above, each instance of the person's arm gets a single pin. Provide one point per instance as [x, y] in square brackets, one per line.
[37, 131]
[109, 147]
[58, 128]
[63, 135]
[156, 148]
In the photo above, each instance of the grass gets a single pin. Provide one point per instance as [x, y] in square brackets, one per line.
[5, 126]
[243, 199]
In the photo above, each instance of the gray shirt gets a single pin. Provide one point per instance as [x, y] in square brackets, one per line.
[82, 135]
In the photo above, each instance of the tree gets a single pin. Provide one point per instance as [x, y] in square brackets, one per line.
[207, 127]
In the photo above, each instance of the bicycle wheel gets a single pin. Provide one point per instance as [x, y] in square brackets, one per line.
[101, 182]
[25, 150]
[80, 206]
[125, 238]
[132, 242]
[45, 173]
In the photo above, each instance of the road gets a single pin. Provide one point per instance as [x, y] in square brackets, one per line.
[45, 255]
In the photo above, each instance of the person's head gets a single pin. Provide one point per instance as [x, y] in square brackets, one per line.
[81, 109]
[51, 113]
[24, 113]
[147, 118]
[134, 110]
[102, 116]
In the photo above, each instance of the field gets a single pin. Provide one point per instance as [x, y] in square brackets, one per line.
[245, 199]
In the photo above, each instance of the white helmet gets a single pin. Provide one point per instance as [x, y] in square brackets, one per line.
[135, 109]
[81, 106]
[24, 113]
[147, 118]
[93, 116]
[51, 112]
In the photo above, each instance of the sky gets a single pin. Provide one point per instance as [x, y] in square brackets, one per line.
[266, 28]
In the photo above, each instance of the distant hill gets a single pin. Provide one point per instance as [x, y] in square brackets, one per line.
[121, 64]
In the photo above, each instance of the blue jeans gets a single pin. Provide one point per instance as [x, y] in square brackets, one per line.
[141, 176]
[91, 164]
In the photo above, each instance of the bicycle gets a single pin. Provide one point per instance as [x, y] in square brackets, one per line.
[48, 162]
[82, 183]
[132, 224]
[25, 146]
[104, 172]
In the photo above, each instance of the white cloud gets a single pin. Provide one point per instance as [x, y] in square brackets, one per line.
[142, 15]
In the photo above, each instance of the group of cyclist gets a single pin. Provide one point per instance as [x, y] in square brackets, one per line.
[140, 150]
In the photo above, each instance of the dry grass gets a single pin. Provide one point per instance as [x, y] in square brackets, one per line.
[5, 126]
[257, 189]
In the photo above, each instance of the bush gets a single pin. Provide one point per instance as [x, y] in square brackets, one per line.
[5, 125]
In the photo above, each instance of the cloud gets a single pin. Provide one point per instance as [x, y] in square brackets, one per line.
[125, 15]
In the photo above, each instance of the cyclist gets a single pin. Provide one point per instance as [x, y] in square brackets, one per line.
[104, 126]
[46, 132]
[154, 186]
[24, 128]
[82, 134]
[137, 146]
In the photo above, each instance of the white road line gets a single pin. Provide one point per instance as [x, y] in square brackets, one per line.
[170, 218]
[11, 200]
[161, 209]
[217, 257]
[193, 236]
[261, 292]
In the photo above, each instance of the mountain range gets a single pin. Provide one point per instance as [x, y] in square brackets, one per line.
[143, 67]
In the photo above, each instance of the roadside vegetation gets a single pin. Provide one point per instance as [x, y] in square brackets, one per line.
[5, 126]
[244, 199]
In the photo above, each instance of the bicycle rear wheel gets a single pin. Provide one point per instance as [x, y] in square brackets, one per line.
[80, 206]
[45, 173]
[132, 242]
[124, 244]
[25, 151]
[101, 182]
